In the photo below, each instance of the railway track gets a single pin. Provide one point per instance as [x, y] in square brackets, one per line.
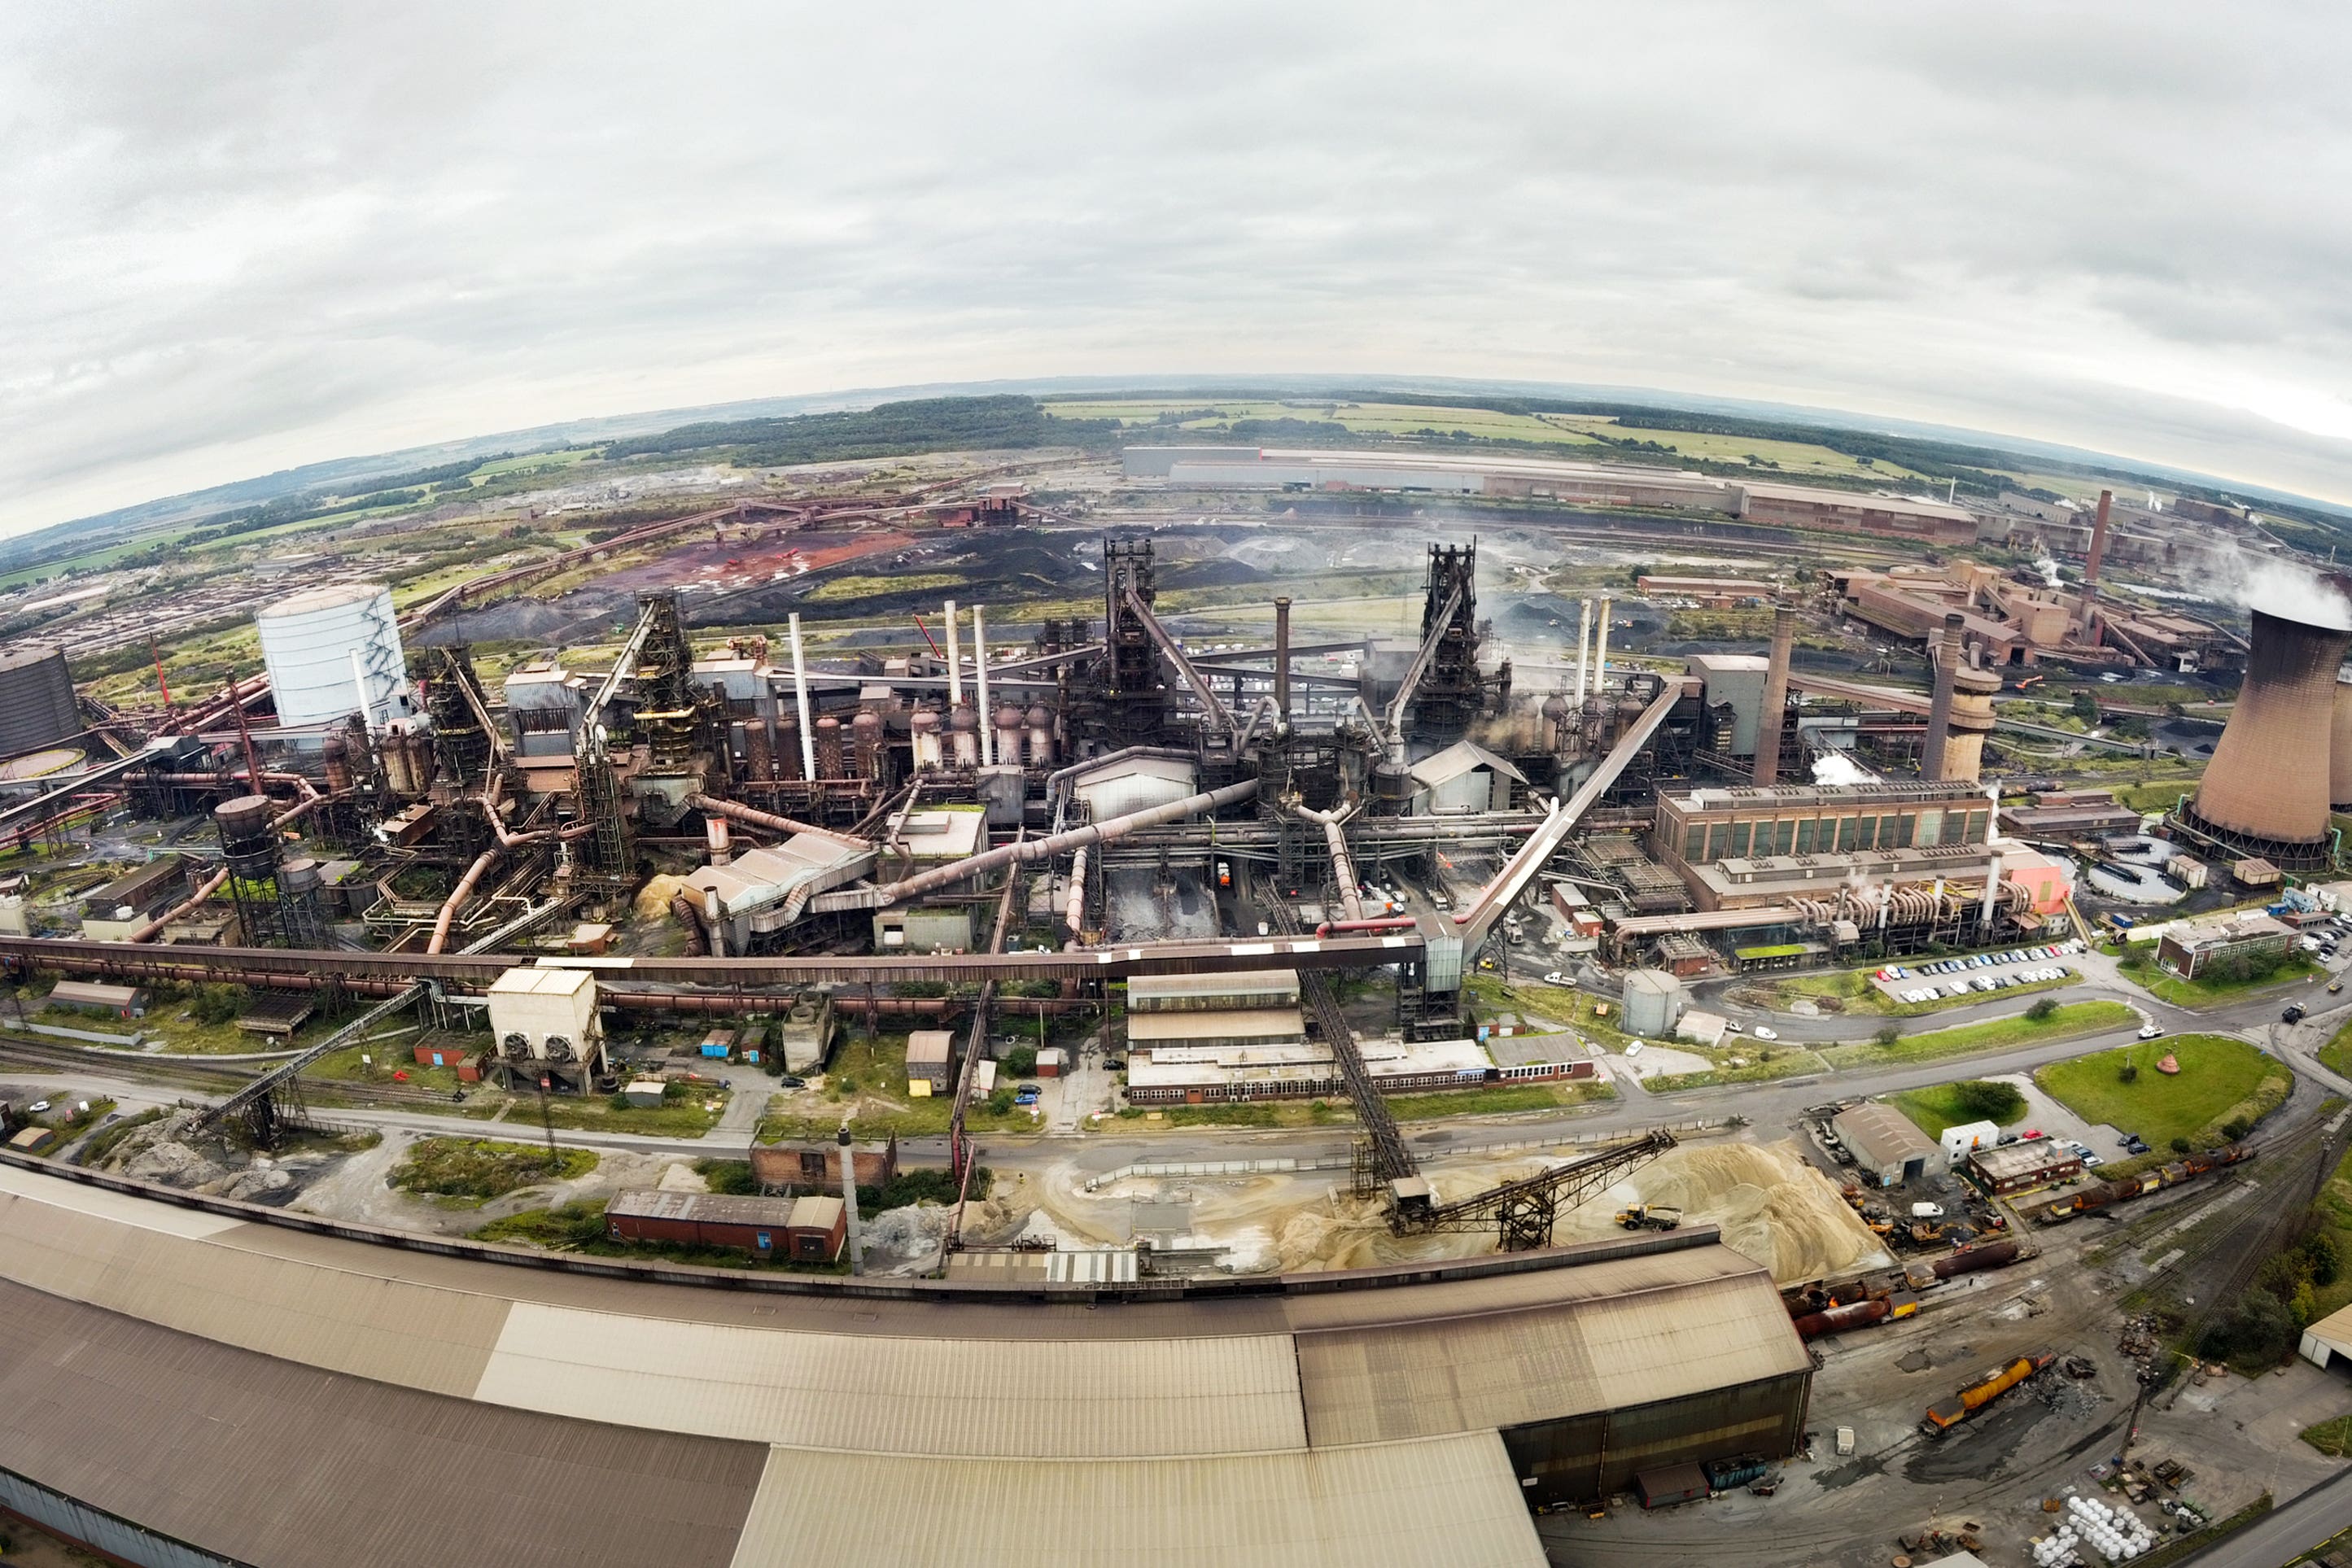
[222, 1079]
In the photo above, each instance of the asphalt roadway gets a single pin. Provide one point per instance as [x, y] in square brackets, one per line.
[1773, 1103]
[2287, 1532]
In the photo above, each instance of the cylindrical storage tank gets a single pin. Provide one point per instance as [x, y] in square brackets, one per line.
[828, 747]
[247, 838]
[1008, 736]
[337, 753]
[299, 876]
[963, 731]
[925, 726]
[2339, 749]
[865, 737]
[1041, 736]
[1653, 1000]
[788, 745]
[325, 647]
[2268, 784]
[37, 700]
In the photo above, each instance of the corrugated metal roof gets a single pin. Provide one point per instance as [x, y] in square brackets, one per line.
[1445, 1503]
[275, 1463]
[1881, 1134]
[387, 1329]
[1543, 1361]
[1070, 1399]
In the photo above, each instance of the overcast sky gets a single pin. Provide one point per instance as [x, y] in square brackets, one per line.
[235, 238]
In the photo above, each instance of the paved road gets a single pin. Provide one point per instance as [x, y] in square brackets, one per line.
[2284, 1533]
[1774, 1103]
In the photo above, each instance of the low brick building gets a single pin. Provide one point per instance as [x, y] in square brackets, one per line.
[812, 1162]
[2192, 946]
[806, 1229]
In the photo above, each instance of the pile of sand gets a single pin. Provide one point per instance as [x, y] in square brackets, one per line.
[1769, 1204]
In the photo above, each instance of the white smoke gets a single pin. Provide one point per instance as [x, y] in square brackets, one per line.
[2290, 589]
[2049, 571]
[1839, 769]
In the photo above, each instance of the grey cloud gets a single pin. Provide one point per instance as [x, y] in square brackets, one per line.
[246, 237]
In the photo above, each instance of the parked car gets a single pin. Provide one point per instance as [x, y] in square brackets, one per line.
[37, 1106]
[1733, 1026]
[1763, 1033]
[1632, 1048]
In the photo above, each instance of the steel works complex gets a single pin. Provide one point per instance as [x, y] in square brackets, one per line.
[1290, 871]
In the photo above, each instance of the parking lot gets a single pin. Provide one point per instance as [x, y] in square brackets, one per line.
[1982, 973]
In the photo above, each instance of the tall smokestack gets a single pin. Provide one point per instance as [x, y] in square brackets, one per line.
[849, 1202]
[800, 698]
[2091, 570]
[1947, 654]
[1282, 658]
[1583, 649]
[1775, 698]
[980, 673]
[955, 662]
[1600, 651]
[2266, 791]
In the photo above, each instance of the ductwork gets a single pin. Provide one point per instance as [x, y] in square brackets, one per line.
[1074, 912]
[2270, 778]
[1343, 865]
[710, 805]
[1027, 850]
[205, 890]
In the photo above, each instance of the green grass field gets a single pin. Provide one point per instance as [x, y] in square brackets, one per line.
[1994, 1034]
[2219, 1078]
[1933, 1110]
[2205, 993]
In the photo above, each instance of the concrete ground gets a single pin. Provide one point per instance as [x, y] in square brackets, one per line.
[2240, 1435]
[2047, 1115]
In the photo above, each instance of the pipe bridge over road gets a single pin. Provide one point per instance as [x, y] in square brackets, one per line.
[304, 967]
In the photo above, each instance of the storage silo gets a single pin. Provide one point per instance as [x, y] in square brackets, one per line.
[325, 646]
[1653, 1001]
[37, 700]
[2266, 791]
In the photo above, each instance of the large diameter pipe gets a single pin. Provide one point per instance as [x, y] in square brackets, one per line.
[1343, 865]
[1385, 923]
[1775, 717]
[1027, 850]
[461, 893]
[1282, 658]
[800, 696]
[711, 805]
[1074, 913]
[980, 673]
[205, 890]
[955, 662]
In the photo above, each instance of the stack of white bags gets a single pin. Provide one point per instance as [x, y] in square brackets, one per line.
[2114, 1533]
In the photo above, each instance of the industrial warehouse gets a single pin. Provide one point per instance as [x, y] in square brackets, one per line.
[1186, 1048]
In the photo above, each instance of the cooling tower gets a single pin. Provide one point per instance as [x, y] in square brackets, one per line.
[2339, 749]
[2266, 791]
